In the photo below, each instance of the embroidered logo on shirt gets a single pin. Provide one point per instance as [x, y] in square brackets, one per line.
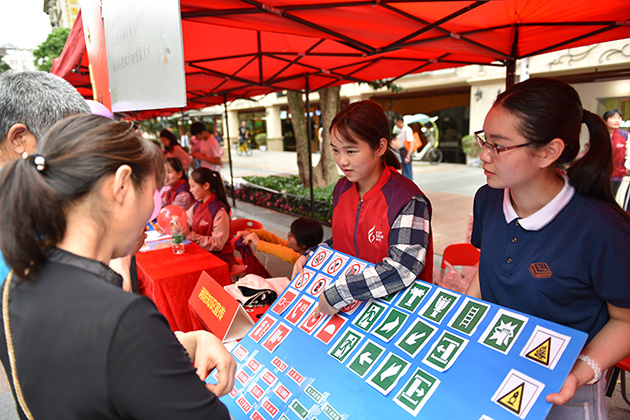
[375, 235]
[203, 223]
[540, 270]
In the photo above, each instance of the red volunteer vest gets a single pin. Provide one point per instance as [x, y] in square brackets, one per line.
[203, 218]
[361, 227]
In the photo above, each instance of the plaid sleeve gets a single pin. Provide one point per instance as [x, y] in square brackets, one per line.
[409, 240]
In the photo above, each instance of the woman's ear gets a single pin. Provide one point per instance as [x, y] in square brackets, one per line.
[122, 183]
[382, 146]
[206, 186]
[551, 152]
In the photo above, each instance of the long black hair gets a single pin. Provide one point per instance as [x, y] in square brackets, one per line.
[177, 166]
[547, 109]
[203, 175]
[365, 120]
[71, 161]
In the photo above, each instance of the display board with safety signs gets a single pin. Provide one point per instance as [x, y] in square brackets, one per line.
[425, 352]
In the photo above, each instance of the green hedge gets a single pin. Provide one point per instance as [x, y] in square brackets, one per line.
[288, 195]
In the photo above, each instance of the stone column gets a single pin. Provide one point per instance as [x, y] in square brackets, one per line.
[233, 123]
[275, 140]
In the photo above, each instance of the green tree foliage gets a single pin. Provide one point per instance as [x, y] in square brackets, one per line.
[51, 48]
[3, 65]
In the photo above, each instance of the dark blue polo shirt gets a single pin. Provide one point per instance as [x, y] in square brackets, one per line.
[562, 263]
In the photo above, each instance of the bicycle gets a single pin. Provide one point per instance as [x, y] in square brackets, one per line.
[430, 136]
[244, 147]
[430, 152]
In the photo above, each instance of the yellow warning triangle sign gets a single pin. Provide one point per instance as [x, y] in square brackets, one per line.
[541, 353]
[512, 400]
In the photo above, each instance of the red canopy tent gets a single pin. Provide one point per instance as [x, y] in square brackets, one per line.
[243, 48]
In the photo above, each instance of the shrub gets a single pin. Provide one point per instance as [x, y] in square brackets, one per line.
[287, 194]
[261, 139]
[470, 146]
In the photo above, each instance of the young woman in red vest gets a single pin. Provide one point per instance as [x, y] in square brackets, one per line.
[378, 215]
[176, 179]
[209, 218]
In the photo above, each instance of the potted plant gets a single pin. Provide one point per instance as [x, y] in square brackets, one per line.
[471, 149]
[261, 141]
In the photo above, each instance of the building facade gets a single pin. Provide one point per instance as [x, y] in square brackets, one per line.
[19, 59]
[62, 12]
[460, 97]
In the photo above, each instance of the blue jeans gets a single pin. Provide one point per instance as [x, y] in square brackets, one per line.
[407, 169]
[589, 403]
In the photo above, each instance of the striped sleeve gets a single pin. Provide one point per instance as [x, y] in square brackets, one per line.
[409, 240]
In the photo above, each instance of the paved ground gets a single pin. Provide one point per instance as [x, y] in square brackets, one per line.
[450, 187]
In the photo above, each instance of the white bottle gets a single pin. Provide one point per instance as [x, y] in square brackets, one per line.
[177, 242]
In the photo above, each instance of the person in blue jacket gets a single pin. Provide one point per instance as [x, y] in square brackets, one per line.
[554, 242]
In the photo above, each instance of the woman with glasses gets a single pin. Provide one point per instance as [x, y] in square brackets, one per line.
[554, 243]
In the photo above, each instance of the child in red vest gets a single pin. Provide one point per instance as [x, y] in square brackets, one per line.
[176, 179]
[378, 215]
[209, 218]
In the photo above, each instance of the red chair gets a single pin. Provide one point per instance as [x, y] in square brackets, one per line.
[619, 371]
[243, 224]
[460, 254]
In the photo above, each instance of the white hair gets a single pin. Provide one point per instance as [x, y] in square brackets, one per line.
[36, 99]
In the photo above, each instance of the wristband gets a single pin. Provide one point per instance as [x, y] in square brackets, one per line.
[593, 364]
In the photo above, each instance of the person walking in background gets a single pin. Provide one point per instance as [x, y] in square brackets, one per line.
[555, 243]
[173, 149]
[379, 216]
[206, 148]
[619, 140]
[185, 141]
[208, 218]
[405, 139]
[91, 186]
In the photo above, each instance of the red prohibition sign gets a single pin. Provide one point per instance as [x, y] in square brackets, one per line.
[334, 266]
[302, 280]
[353, 269]
[319, 258]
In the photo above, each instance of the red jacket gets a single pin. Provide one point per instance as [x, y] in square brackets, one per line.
[361, 227]
[202, 222]
[180, 187]
[618, 139]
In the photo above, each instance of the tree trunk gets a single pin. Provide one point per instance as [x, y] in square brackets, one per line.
[325, 173]
[298, 121]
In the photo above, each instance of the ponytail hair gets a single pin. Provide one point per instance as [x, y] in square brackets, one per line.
[37, 191]
[547, 109]
[365, 120]
[203, 175]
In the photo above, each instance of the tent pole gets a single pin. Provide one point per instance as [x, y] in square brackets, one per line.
[227, 141]
[310, 146]
[510, 73]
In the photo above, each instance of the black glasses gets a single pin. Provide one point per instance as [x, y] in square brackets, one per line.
[480, 136]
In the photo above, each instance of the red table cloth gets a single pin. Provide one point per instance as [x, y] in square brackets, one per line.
[169, 279]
